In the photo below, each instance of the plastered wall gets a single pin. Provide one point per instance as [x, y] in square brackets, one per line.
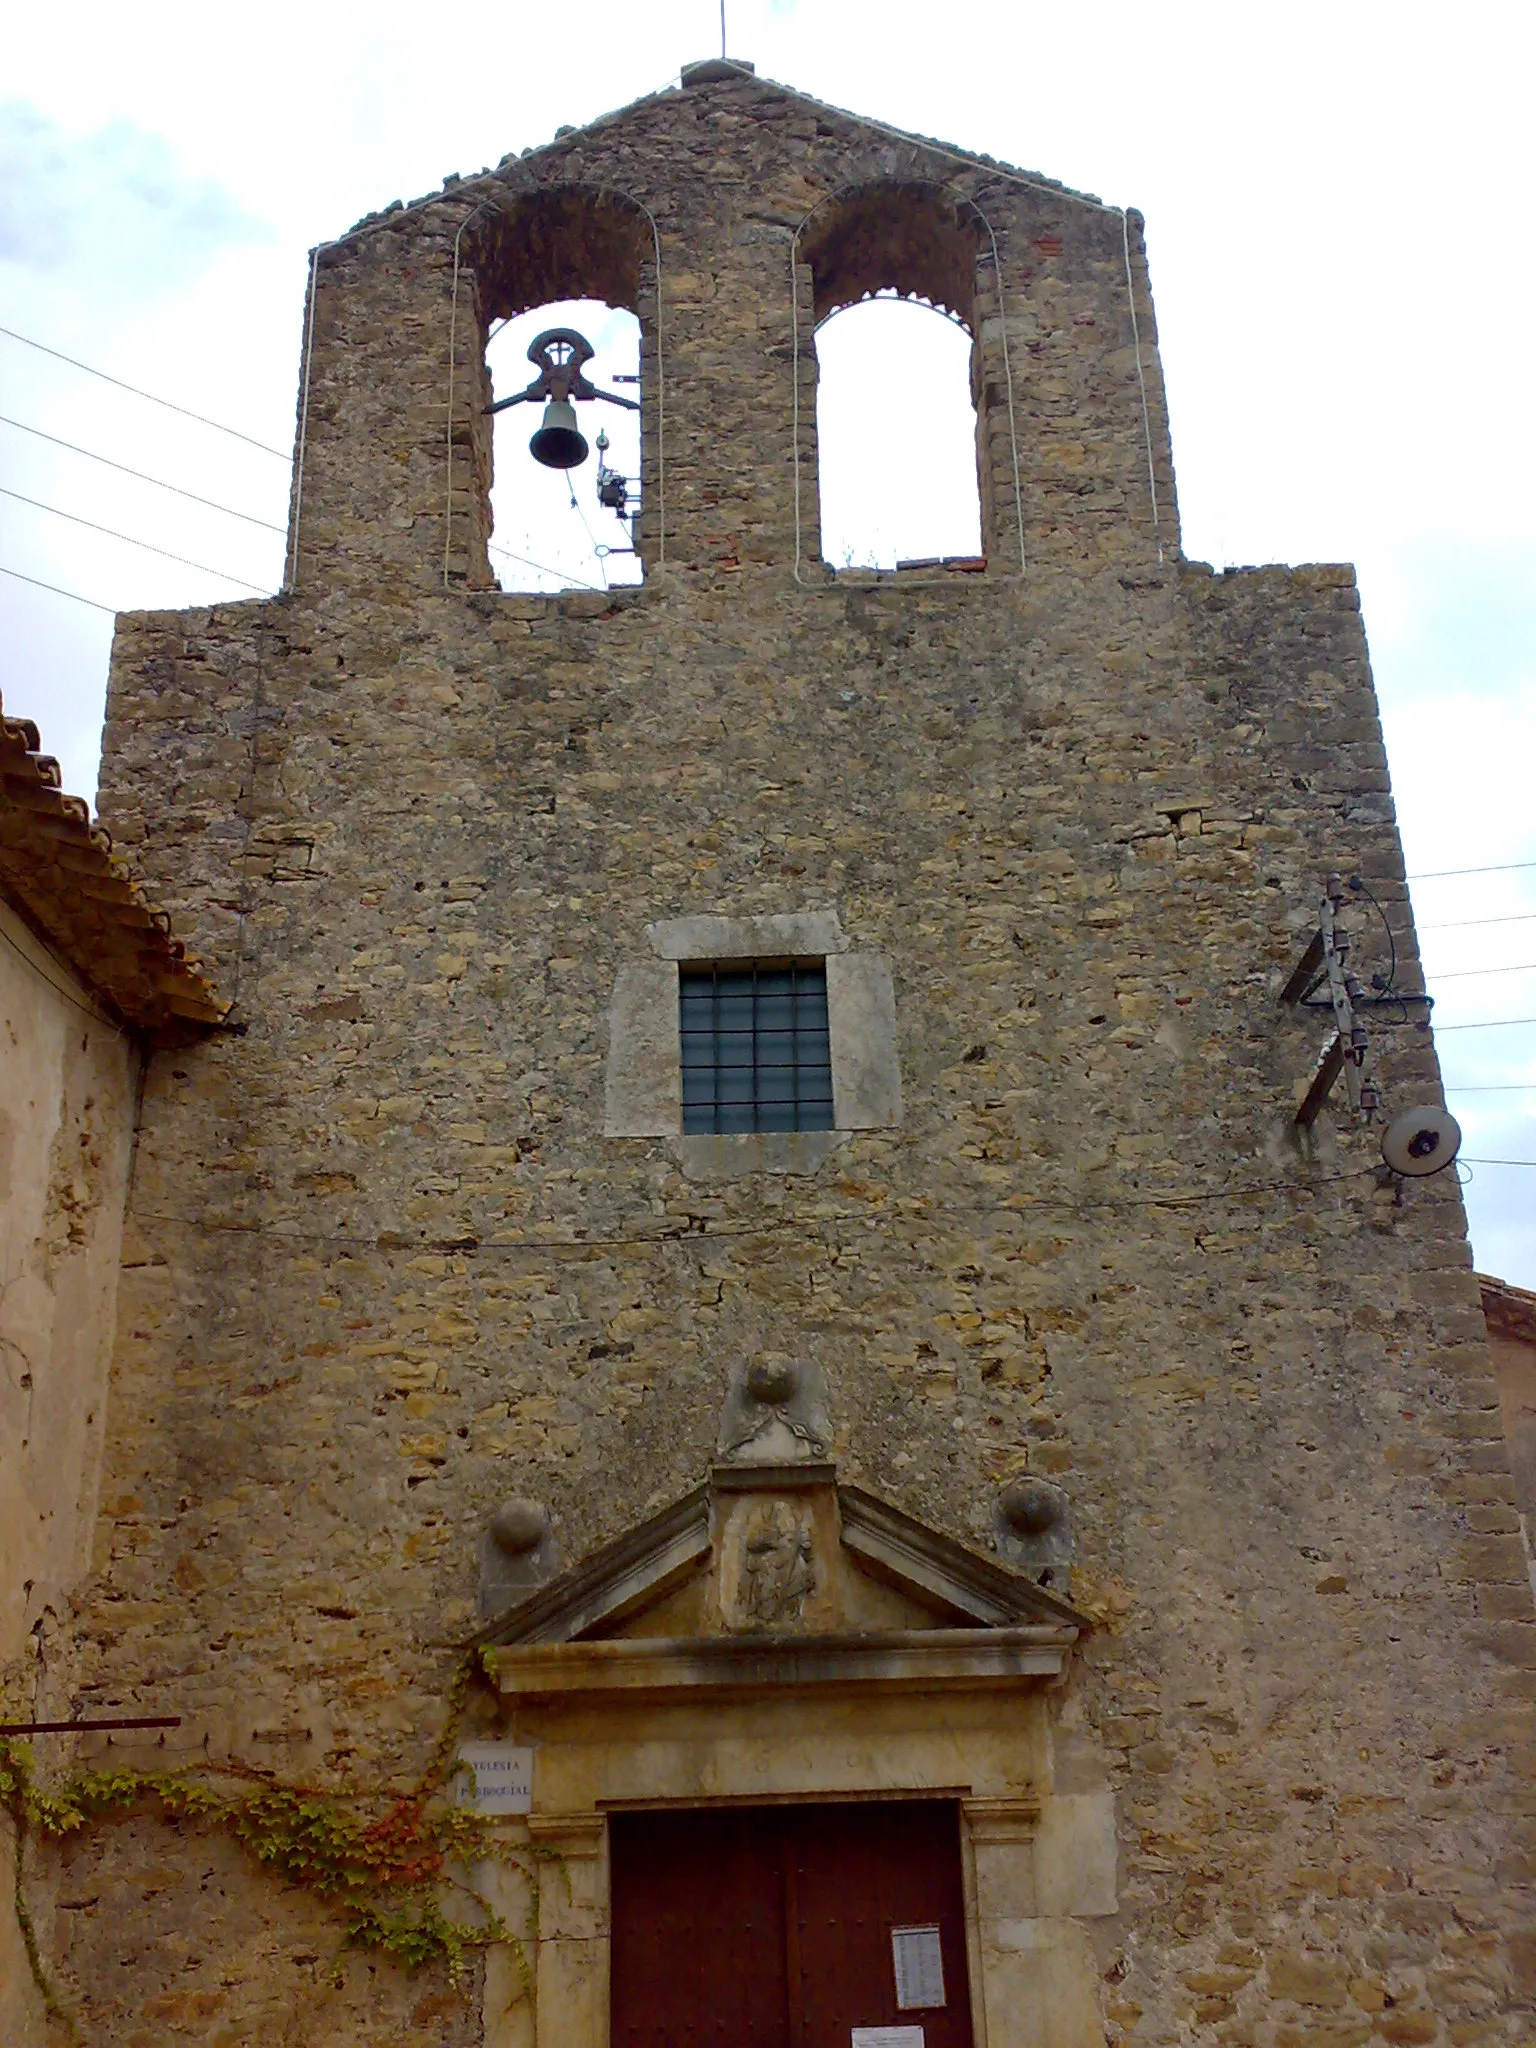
[67, 1080]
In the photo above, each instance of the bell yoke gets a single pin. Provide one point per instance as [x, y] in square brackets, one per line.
[560, 353]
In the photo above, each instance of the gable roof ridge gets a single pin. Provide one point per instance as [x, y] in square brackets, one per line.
[972, 157]
[496, 174]
[492, 174]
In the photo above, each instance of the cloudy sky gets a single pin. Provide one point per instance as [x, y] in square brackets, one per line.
[1336, 200]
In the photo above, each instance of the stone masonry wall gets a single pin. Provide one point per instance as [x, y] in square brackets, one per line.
[733, 181]
[383, 1270]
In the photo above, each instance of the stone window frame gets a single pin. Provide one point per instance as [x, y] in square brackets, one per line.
[643, 1095]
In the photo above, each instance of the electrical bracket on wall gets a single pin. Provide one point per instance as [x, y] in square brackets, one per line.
[1322, 980]
[1326, 960]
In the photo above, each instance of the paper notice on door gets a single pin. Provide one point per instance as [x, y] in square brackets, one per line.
[887, 2037]
[919, 1967]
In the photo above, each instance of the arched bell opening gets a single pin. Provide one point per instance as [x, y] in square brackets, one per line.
[564, 442]
[896, 434]
[565, 471]
[901, 436]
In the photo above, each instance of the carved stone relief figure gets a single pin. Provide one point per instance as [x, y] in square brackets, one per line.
[769, 1565]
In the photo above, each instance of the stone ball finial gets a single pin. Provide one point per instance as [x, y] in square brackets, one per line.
[772, 1380]
[1031, 1506]
[519, 1526]
[775, 1412]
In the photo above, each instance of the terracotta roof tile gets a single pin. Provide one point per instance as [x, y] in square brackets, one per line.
[59, 872]
[1508, 1311]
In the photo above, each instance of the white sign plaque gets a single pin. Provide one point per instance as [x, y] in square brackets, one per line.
[887, 2037]
[499, 1778]
[919, 1967]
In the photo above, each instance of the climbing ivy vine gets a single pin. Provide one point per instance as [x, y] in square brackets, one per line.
[382, 1861]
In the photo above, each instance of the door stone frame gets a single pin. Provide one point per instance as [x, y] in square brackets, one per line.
[974, 1736]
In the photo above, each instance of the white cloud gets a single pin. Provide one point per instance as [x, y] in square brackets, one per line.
[114, 205]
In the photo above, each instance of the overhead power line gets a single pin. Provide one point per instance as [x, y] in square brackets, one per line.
[602, 566]
[1507, 867]
[543, 568]
[1466, 973]
[1497, 1162]
[1493, 1088]
[91, 455]
[60, 988]
[59, 591]
[148, 546]
[1487, 1024]
[1461, 924]
[185, 411]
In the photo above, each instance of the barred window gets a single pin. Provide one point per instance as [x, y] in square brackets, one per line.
[756, 1050]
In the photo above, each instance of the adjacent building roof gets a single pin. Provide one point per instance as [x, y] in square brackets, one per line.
[1508, 1311]
[59, 873]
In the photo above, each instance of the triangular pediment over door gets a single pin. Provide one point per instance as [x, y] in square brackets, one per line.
[778, 1574]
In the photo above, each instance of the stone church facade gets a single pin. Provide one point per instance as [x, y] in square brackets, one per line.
[1048, 1444]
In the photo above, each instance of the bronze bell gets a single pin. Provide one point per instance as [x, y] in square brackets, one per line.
[559, 442]
[560, 353]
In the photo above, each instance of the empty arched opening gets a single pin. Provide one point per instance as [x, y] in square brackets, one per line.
[893, 270]
[896, 437]
[576, 258]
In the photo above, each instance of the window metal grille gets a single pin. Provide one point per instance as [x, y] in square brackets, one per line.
[756, 1051]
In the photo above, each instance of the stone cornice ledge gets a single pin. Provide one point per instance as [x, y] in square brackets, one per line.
[913, 1661]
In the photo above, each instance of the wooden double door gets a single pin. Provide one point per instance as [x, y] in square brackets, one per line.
[789, 1927]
